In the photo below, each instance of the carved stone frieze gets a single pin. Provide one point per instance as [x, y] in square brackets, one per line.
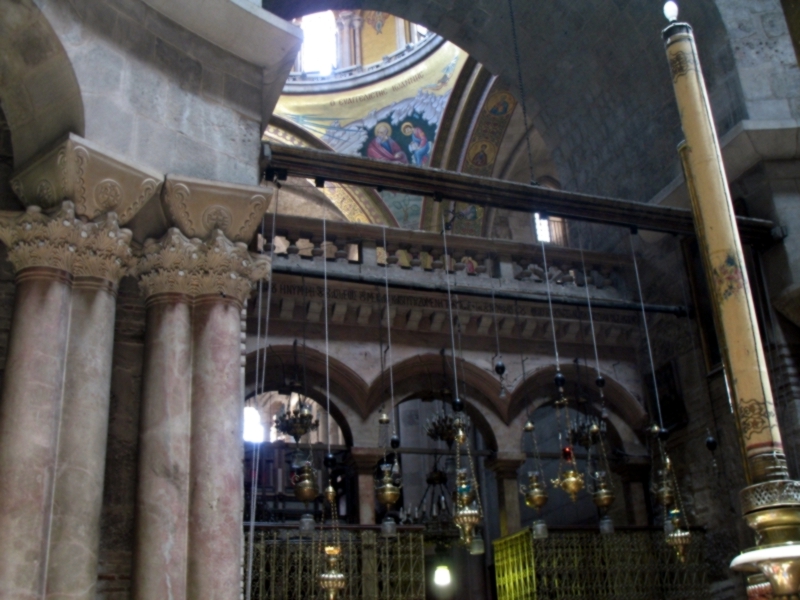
[177, 264]
[198, 207]
[95, 180]
[60, 240]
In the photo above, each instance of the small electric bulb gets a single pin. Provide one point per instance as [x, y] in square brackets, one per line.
[671, 11]
[441, 576]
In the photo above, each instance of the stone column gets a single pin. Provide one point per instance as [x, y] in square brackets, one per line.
[505, 467]
[358, 24]
[365, 460]
[345, 29]
[46, 250]
[189, 533]
[216, 486]
[32, 396]
[101, 261]
[162, 504]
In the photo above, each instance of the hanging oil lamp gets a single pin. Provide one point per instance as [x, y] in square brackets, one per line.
[332, 580]
[467, 514]
[305, 486]
[535, 492]
[569, 478]
[603, 495]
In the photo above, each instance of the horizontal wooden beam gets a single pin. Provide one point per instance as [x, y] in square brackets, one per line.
[483, 191]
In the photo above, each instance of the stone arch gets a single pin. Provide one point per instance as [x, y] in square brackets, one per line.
[347, 387]
[421, 377]
[424, 372]
[628, 415]
[596, 78]
[39, 91]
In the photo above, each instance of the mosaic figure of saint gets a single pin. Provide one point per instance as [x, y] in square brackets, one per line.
[480, 159]
[420, 147]
[383, 147]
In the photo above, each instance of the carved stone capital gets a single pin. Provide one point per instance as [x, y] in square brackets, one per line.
[59, 240]
[176, 264]
[198, 207]
[95, 180]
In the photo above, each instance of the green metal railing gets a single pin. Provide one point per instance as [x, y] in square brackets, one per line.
[577, 565]
[286, 565]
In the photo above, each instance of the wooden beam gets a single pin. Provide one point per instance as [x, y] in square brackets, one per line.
[449, 185]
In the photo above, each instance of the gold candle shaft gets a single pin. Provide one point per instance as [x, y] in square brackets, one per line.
[715, 223]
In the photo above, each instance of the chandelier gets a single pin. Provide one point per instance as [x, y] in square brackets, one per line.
[298, 421]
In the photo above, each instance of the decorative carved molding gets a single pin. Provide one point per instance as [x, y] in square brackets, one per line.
[198, 207]
[177, 264]
[94, 179]
[61, 241]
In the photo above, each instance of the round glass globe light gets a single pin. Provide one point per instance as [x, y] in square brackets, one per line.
[441, 576]
[671, 11]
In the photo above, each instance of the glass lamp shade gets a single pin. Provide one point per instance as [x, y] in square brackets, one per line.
[540, 530]
[441, 576]
[671, 11]
[477, 546]
[606, 525]
[389, 527]
[307, 524]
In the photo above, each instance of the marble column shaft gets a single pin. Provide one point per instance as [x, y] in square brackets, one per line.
[216, 478]
[54, 411]
[78, 496]
[162, 516]
[30, 413]
[189, 533]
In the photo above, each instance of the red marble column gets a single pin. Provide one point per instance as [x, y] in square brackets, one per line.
[162, 515]
[30, 413]
[78, 495]
[216, 486]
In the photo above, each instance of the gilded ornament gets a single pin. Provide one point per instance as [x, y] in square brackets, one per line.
[571, 482]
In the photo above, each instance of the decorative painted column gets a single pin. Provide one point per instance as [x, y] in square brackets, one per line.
[505, 469]
[189, 519]
[771, 503]
[103, 257]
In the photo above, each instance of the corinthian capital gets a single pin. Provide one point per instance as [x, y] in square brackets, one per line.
[61, 241]
[177, 264]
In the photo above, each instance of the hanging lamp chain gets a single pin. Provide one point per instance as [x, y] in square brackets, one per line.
[646, 333]
[521, 86]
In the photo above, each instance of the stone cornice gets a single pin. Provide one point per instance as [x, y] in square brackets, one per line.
[176, 264]
[59, 240]
[198, 207]
[96, 181]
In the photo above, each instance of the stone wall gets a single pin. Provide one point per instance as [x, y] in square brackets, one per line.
[160, 95]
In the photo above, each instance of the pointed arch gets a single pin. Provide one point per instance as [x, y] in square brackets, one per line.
[423, 376]
[538, 388]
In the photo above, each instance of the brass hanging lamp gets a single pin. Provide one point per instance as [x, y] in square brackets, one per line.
[467, 512]
[676, 532]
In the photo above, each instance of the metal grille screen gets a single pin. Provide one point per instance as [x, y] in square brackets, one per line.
[285, 566]
[626, 565]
